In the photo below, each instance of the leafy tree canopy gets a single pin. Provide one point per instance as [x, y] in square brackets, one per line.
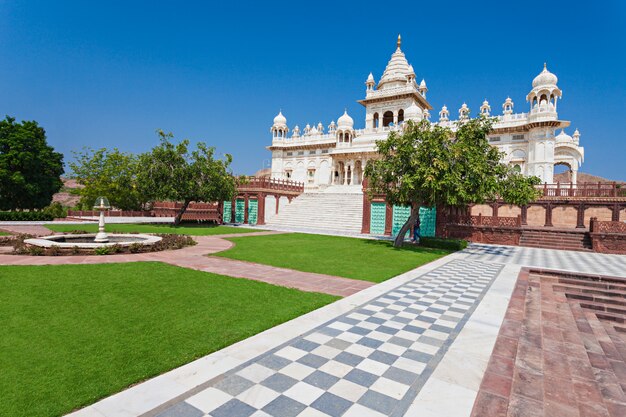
[175, 172]
[430, 165]
[30, 169]
[109, 173]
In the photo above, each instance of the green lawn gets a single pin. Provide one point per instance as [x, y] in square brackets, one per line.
[193, 230]
[3, 233]
[369, 260]
[73, 334]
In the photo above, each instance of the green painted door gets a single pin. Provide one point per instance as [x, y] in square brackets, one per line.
[226, 217]
[400, 216]
[428, 217]
[377, 218]
[253, 211]
[239, 210]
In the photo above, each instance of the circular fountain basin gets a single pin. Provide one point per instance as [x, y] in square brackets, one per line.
[86, 241]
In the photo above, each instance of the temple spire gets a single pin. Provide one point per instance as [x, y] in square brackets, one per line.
[399, 41]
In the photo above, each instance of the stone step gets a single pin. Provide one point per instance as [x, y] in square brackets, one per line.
[331, 210]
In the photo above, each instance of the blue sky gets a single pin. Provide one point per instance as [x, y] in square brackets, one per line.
[108, 74]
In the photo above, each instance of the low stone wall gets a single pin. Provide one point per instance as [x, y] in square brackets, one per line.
[608, 236]
[484, 234]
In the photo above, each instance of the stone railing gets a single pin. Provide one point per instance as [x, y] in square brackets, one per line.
[109, 213]
[272, 184]
[608, 237]
[588, 189]
[481, 220]
[195, 211]
[596, 226]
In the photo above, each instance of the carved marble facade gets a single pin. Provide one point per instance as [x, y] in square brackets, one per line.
[320, 158]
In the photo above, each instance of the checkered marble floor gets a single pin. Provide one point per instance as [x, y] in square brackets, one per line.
[594, 263]
[369, 362]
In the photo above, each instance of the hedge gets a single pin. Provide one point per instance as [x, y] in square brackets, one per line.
[439, 243]
[18, 216]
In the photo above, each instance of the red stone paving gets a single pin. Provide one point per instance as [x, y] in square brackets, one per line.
[194, 257]
[33, 229]
[561, 350]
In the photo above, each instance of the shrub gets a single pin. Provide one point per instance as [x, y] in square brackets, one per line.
[135, 247]
[172, 241]
[19, 246]
[56, 210]
[440, 243]
[35, 250]
[53, 250]
[116, 248]
[19, 216]
[102, 250]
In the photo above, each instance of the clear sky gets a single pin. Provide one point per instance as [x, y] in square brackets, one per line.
[109, 73]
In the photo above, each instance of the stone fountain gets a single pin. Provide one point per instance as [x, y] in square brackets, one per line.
[92, 241]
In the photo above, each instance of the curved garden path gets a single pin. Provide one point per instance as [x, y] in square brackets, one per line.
[194, 257]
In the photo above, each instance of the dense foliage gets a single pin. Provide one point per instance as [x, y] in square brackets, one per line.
[30, 169]
[31, 216]
[439, 243]
[430, 165]
[109, 173]
[175, 172]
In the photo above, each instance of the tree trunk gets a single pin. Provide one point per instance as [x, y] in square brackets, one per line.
[179, 215]
[415, 211]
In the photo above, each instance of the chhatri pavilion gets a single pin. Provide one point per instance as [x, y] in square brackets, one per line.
[337, 155]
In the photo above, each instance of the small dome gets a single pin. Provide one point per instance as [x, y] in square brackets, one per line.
[413, 112]
[280, 120]
[563, 137]
[370, 78]
[345, 121]
[411, 71]
[545, 78]
[423, 84]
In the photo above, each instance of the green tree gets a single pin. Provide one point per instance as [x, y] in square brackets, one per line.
[109, 173]
[430, 165]
[176, 173]
[30, 169]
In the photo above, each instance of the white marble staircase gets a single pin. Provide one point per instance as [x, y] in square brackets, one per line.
[331, 211]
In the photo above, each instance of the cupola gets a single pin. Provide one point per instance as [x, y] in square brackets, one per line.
[279, 128]
[464, 112]
[485, 108]
[444, 114]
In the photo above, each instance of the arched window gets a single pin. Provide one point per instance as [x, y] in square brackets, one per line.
[375, 121]
[387, 118]
[341, 137]
[400, 116]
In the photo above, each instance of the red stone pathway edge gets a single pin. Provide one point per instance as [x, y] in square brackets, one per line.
[194, 257]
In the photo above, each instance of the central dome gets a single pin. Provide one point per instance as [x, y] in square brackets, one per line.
[397, 69]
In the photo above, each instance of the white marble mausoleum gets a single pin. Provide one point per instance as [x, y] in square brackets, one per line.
[533, 142]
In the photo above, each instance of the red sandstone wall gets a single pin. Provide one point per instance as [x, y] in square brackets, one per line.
[564, 217]
[536, 216]
[509, 211]
[483, 209]
[602, 213]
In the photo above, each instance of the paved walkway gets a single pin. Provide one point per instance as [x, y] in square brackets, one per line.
[194, 257]
[588, 262]
[30, 229]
